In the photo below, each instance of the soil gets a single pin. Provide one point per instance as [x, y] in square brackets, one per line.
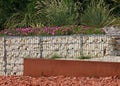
[58, 81]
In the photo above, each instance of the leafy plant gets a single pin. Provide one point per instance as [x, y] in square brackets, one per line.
[46, 31]
[117, 22]
[57, 12]
[116, 5]
[90, 30]
[55, 56]
[97, 14]
[59, 30]
[9, 7]
[20, 32]
[24, 18]
[116, 1]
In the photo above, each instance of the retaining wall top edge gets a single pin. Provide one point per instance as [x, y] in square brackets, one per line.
[76, 35]
[61, 35]
[20, 36]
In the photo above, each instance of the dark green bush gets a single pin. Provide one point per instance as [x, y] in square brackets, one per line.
[97, 14]
[24, 18]
[58, 12]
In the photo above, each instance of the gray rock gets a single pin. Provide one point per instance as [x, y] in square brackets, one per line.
[112, 30]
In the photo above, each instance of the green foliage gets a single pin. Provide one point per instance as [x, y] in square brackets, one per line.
[38, 25]
[14, 20]
[57, 12]
[116, 22]
[90, 30]
[111, 3]
[36, 13]
[39, 29]
[24, 18]
[97, 14]
[8, 7]
[55, 56]
[4, 11]
[114, 4]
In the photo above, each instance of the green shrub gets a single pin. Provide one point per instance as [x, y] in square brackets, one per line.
[90, 30]
[8, 7]
[24, 18]
[57, 12]
[117, 22]
[55, 56]
[97, 14]
[21, 20]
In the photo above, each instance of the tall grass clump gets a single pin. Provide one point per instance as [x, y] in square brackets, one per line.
[24, 18]
[58, 12]
[97, 14]
[56, 56]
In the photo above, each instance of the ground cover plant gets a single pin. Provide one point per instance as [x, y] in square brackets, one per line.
[59, 15]
[51, 31]
[56, 56]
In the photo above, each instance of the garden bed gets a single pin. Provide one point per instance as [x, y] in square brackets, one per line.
[58, 81]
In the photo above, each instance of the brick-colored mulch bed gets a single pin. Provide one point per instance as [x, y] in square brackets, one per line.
[58, 81]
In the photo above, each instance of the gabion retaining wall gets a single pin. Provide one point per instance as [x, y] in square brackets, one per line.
[14, 49]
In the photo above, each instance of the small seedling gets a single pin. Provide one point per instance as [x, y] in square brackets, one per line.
[55, 56]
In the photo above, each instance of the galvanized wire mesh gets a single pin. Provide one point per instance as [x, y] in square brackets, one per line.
[12, 52]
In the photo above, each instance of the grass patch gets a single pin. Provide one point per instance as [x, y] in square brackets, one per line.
[55, 56]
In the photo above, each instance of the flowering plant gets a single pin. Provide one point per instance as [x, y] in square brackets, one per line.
[20, 31]
[27, 31]
[58, 30]
[91, 30]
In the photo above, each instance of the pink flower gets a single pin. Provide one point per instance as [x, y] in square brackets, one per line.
[10, 34]
[102, 30]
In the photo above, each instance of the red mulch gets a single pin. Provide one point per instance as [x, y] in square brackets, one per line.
[58, 81]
